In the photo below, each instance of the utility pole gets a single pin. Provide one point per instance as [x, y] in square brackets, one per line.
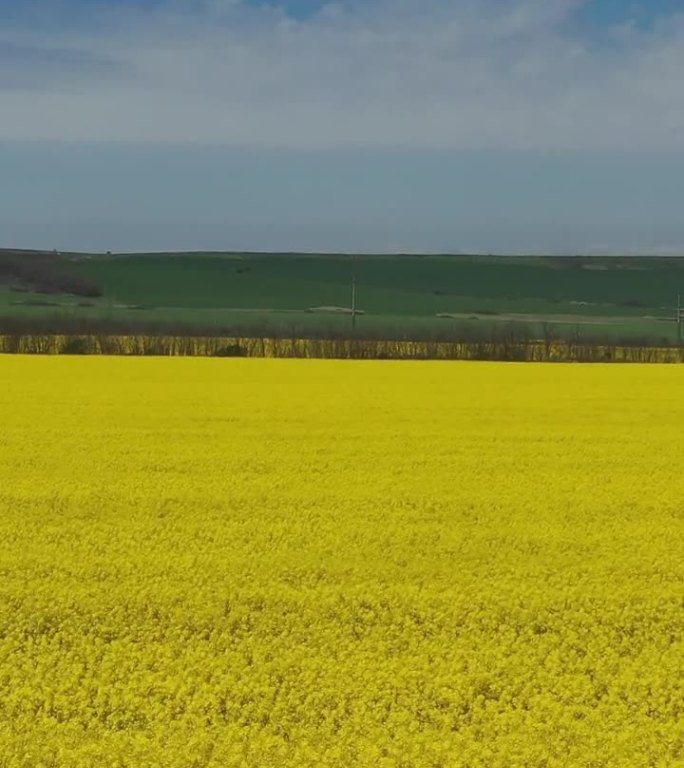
[680, 316]
[353, 300]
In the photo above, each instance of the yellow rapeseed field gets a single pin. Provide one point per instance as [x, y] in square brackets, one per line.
[314, 563]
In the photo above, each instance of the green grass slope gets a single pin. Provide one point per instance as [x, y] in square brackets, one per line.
[615, 295]
[412, 285]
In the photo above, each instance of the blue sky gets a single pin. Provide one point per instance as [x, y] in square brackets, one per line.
[365, 125]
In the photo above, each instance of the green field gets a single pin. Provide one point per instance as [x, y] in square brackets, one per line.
[610, 296]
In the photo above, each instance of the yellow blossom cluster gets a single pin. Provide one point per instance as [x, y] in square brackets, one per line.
[213, 563]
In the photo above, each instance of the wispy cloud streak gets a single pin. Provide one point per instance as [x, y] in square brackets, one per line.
[425, 74]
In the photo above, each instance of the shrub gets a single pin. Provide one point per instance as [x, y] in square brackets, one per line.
[231, 350]
[76, 346]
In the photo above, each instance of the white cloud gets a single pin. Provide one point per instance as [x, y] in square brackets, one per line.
[464, 74]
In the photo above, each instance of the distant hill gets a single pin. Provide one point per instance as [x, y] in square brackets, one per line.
[617, 295]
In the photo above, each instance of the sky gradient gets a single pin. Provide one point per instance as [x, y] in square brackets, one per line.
[377, 125]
